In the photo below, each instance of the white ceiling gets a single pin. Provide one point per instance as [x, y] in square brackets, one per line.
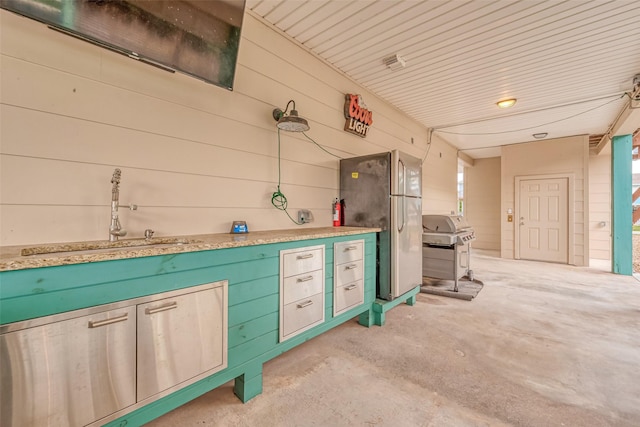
[568, 63]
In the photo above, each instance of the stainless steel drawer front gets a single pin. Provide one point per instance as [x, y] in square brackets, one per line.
[348, 251]
[304, 261]
[302, 286]
[301, 290]
[349, 296]
[349, 272]
[348, 278]
[302, 315]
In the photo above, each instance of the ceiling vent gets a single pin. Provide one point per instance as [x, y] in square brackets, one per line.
[394, 62]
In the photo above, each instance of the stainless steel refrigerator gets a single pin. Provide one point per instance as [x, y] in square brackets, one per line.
[385, 190]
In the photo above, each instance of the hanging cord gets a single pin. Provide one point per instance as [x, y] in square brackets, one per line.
[279, 200]
[320, 146]
[532, 127]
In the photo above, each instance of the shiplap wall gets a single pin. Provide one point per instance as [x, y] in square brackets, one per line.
[482, 202]
[554, 156]
[600, 205]
[440, 178]
[194, 157]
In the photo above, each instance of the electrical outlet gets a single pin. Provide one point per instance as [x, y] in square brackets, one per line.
[305, 216]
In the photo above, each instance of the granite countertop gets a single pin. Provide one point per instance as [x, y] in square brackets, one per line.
[54, 254]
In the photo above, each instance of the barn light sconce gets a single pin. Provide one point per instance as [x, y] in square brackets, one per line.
[291, 122]
[506, 103]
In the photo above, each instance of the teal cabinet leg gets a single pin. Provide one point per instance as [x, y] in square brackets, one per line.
[366, 318]
[380, 307]
[378, 311]
[411, 300]
[248, 385]
[379, 318]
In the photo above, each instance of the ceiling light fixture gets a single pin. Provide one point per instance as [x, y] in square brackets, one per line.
[291, 122]
[506, 103]
[540, 135]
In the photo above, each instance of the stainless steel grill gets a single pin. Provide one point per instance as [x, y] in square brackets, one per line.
[446, 247]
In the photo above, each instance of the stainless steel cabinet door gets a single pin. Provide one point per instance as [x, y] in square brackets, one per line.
[68, 373]
[179, 338]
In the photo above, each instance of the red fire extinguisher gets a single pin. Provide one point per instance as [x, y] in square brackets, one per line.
[336, 213]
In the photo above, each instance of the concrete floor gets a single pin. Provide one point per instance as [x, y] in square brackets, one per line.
[541, 345]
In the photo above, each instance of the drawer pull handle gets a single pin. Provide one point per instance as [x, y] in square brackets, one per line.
[169, 306]
[306, 256]
[350, 248]
[350, 287]
[305, 279]
[305, 304]
[105, 322]
[351, 267]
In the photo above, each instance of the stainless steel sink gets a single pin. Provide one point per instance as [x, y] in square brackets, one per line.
[106, 246]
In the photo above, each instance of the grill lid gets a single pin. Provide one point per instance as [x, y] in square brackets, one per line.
[444, 223]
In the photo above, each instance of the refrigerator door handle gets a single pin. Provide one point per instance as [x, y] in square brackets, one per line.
[402, 177]
[401, 201]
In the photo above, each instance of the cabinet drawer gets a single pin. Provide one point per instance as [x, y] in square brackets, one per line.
[302, 286]
[302, 314]
[348, 272]
[303, 261]
[348, 296]
[348, 251]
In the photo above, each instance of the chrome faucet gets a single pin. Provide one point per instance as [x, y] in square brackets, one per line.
[115, 229]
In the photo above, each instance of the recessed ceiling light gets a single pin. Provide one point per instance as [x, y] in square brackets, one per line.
[540, 135]
[506, 103]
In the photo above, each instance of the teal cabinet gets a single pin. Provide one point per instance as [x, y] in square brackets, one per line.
[253, 274]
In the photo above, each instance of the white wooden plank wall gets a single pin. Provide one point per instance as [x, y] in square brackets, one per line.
[440, 186]
[554, 156]
[482, 202]
[600, 205]
[194, 157]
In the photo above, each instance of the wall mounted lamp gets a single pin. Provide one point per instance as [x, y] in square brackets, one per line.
[506, 103]
[291, 122]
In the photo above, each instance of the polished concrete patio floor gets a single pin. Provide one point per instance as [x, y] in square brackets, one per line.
[541, 345]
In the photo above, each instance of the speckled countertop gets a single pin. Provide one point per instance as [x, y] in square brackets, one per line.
[49, 255]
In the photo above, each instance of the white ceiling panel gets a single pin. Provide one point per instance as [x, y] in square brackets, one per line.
[565, 61]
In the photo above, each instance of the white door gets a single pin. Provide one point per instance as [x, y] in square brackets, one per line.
[544, 219]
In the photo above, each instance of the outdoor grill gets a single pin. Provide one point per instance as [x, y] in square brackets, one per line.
[446, 247]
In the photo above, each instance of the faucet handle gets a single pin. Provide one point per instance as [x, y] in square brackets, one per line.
[115, 179]
[148, 233]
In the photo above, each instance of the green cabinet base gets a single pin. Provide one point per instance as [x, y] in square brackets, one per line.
[249, 385]
[380, 307]
[252, 273]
